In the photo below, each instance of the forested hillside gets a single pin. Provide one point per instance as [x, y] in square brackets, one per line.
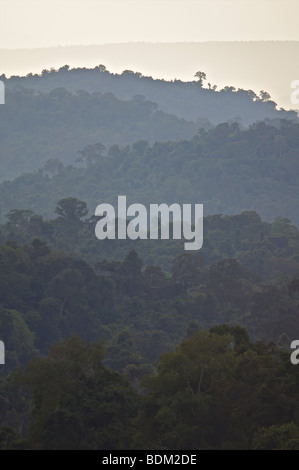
[209, 394]
[35, 128]
[268, 249]
[188, 100]
[227, 169]
[73, 400]
[246, 273]
[126, 344]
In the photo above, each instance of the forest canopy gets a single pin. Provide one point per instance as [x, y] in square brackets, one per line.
[138, 344]
[226, 169]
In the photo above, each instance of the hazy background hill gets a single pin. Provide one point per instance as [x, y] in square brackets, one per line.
[35, 128]
[189, 100]
[57, 113]
[256, 65]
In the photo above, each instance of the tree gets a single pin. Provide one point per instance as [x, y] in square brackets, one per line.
[201, 76]
[279, 437]
[102, 68]
[19, 219]
[59, 94]
[19, 339]
[187, 395]
[186, 270]
[91, 154]
[129, 275]
[71, 209]
[9, 439]
[65, 68]
[23, 225]
[293, 287]
[78, 403]
[66, 284]
[229, 89]
[53, 166]
[155, 281]
[265, 96]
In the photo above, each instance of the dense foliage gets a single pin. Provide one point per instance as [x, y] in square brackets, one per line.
[226, 169]
[122, 344]
[268, 249]
[217, 390]
[188, 100]
[143, 311]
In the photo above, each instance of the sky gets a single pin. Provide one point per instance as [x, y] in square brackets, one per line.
[44, 23]
[38, 24]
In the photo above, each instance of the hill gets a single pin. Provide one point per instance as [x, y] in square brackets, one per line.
[36, 127]
[258, 65]
[193, 100]
[227, 169]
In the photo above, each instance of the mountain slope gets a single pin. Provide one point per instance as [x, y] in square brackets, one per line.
[226, 169]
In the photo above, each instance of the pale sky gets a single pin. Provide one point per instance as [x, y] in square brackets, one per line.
[43, 23]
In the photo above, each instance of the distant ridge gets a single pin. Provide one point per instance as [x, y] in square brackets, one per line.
[255, 65]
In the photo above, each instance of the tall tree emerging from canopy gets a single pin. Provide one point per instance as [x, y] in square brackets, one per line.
[201, 76]
[71, 208]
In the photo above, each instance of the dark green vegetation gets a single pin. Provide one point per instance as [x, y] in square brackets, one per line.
[121, 344]
[268, 249]
[217, 390]
[197, 398]
[225, 168]
[243, 275]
